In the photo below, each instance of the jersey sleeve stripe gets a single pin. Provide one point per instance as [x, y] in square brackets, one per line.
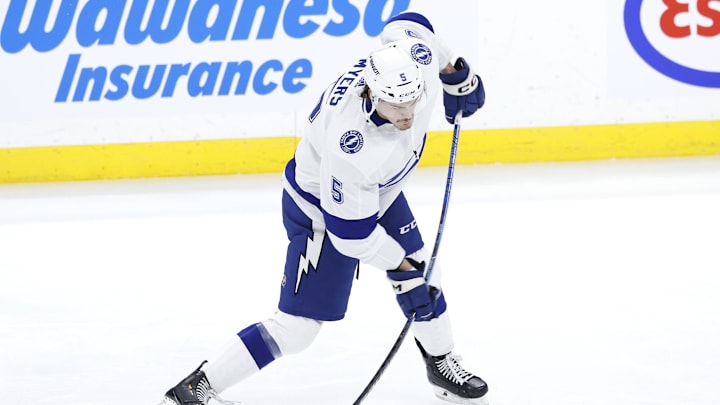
[290, 176]
[340, 227]
[350, 228]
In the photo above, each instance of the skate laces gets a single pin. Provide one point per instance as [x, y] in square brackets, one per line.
[450, 368]
[202, 390]
[205, 393]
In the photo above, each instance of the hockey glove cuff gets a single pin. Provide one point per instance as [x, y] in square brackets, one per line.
[412, 292]
[463, 91]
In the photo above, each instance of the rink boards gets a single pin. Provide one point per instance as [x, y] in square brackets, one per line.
[269, 155]
[108, 90]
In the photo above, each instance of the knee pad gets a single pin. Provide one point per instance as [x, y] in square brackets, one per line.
[291, 333]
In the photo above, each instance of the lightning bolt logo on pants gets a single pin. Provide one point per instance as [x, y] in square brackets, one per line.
[313, 248]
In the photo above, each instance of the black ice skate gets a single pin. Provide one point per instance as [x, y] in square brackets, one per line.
[193, 390]
[453, 383]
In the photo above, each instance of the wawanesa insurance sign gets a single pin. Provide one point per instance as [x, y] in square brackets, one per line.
[74, 51]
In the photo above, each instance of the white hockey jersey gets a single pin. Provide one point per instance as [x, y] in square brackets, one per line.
[350, 166]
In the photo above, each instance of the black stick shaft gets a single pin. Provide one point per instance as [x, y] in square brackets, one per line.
[431, 265]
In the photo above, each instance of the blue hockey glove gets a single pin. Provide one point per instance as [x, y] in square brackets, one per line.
[463, 91]
[412, 292]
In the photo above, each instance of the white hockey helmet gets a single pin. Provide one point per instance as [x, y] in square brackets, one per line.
[393, 75]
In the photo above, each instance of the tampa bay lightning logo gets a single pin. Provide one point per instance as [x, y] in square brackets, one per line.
[421, 53]
[351, 142]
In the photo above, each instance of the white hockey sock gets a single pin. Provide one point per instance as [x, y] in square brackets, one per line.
[258, 346]
[234, 365]
[436, 335]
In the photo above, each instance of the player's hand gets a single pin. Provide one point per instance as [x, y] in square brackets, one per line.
[463, 91]
[412, 292]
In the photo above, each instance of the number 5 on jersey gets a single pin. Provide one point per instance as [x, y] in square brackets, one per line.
[336, 192]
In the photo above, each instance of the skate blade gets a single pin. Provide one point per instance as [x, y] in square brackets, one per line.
[445, 395]
[167, 401]
[215, 397]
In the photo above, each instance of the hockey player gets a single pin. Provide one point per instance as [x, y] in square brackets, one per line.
[343, 204]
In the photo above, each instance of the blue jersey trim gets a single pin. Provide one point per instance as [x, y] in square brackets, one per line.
[374, 117]
[409, 167]
[316, 111]
[414, 17]
[290, 176]
[342, 228]
[401, 175]
[354, 229]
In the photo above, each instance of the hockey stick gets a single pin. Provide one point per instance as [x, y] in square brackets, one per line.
[431, 265]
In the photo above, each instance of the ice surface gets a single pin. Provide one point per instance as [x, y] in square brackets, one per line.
[574, 283]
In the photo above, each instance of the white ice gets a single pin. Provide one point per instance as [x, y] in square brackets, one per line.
[570, 283]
